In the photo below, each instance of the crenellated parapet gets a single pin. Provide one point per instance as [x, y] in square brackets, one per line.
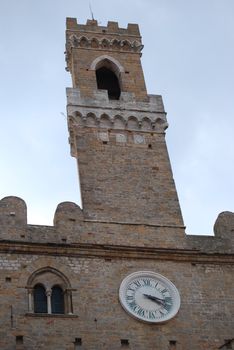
[71, 226]
[224, 225]
[111, 28]
[13, 212]
[13, 218]
[85, 44]
[223, 240]
[68, 216]
[101, 38]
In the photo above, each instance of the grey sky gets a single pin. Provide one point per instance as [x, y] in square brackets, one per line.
[188, 58]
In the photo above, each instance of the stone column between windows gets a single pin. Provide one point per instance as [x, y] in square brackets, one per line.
[69, 302]
[48, 294]
[30, 300]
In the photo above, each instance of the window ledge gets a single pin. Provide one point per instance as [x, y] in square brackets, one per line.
[29, 314]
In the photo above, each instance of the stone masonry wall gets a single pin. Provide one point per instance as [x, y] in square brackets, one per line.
[203, 322]
[95, 262]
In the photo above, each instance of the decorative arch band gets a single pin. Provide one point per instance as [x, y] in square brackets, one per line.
[130, 122]
[105, 44]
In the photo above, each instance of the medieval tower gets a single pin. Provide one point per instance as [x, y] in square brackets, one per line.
[120, 272]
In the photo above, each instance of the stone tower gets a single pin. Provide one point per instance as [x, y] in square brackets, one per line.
[117, 131]
[120, 273]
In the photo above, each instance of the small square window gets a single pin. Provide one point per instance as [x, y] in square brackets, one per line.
[78, 341]
[8, 279]
[124, 342]
[172, 344]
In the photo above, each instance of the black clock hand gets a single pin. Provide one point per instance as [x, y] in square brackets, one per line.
[157, 300]
[152, 297]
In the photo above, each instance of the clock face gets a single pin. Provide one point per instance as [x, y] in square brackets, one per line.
[149, 297]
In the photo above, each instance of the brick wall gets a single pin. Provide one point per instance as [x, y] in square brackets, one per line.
[203, 322]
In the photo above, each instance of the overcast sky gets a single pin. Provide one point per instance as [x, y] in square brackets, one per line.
[188, 58]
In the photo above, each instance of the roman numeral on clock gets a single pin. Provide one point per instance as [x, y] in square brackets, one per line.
[133, 305]
[167, 307]
[152, 315]
[141, 312]
[137, 283]
[130, 298]
[147, 282]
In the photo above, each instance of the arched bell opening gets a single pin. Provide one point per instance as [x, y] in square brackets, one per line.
[107, 80]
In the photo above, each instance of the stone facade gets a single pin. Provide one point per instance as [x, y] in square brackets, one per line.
[130, 221]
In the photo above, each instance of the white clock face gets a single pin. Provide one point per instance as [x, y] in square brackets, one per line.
[149, 297]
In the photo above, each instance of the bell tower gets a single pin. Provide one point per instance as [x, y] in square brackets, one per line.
[117, 130]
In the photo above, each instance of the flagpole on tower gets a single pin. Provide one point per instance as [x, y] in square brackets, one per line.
[91, 11]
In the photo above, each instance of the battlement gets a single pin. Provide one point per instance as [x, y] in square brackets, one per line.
[13, 212]
[71, 226]
[91, 47]
[111, 28]
[91, 36]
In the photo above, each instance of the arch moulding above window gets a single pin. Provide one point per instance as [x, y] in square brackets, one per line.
[37, 277]
[98, 60]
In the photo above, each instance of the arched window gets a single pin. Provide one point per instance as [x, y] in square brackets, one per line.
[108, 75]
[40, 299]
[57, 300]
[49, 291]
[107, 80]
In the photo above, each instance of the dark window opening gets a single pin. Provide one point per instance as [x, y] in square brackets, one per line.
[107, 80]
[228, 343]
[172, 344]
[40, 299]
[78, 341]
[19, 339]
[124, 342]
[57, 300]
[8, 279]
